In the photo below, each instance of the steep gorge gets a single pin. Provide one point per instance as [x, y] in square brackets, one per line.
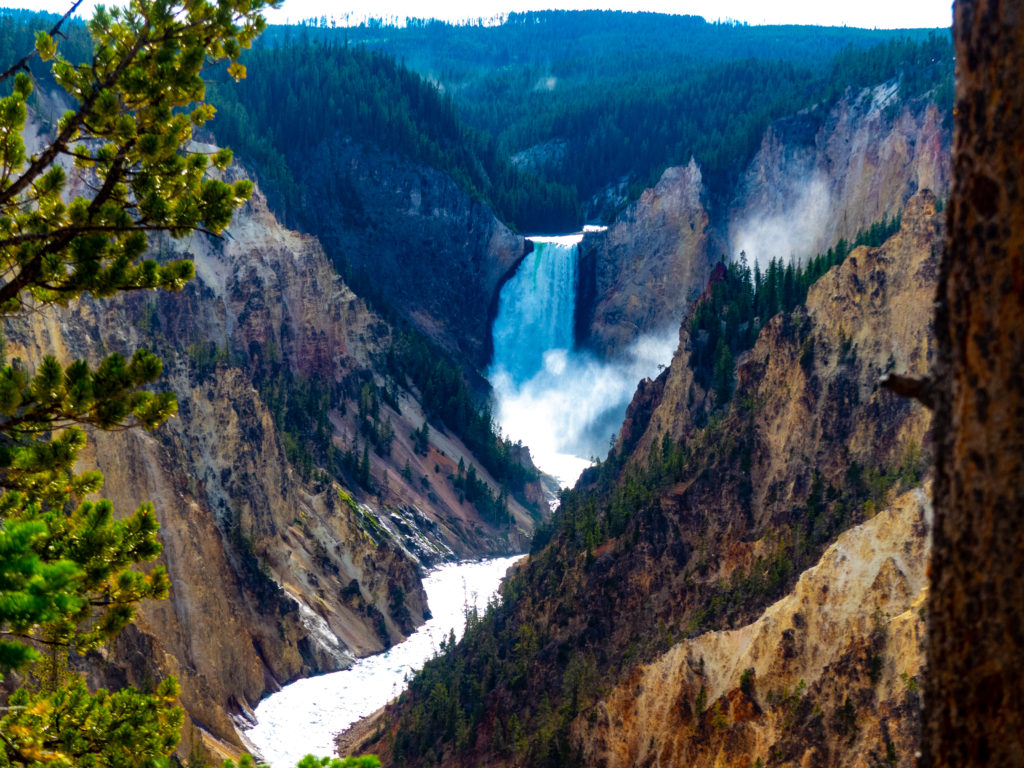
[271, 551]
[698, 529]
[277, 570]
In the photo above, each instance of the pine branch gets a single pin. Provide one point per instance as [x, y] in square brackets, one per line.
[22, 63]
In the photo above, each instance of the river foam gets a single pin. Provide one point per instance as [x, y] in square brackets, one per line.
[304, 717]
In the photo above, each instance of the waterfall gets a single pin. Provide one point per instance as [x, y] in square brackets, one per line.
[536, 309]
[562, 403]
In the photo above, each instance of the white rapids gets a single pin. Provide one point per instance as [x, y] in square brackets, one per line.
[304, 717]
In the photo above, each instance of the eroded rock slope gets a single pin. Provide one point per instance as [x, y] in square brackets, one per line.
[818, 176]
[697, 528]
[281, 565]
[829, 675]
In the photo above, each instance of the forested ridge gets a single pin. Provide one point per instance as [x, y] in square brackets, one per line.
[605, 96]
[365, 96]
[625, 95]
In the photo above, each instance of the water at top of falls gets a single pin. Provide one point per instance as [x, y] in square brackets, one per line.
[303, 717]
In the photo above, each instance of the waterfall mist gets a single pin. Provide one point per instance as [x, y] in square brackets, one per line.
[795, 230]
[562, 403]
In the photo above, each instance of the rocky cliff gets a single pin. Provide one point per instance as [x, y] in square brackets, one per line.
[831, 173]
[281, 565]
[638, 275]
[409, 234]
[876, 307]
[698, 529]
[818, 176]
[829, 675]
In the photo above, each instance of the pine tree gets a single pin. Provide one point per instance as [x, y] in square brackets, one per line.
[364, 467]
[66, 564]
[722, 379]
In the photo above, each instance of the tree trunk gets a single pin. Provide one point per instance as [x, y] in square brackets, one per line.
[974, 690]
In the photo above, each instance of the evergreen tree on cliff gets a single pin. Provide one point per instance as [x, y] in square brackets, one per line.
[74, 219]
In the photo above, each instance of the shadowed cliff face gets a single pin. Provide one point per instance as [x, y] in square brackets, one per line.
[638, 276]
[700, 532]
[410, 235]
[276, 573]
[818, 176]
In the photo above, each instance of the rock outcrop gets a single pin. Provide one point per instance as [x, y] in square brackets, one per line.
[875, 308]
[410, 234]
[829, 675]
[637, 276]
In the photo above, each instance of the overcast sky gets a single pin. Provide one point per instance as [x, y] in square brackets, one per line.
[853, 13]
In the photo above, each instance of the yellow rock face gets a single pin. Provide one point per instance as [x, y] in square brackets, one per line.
[835, 663]
[851, 630]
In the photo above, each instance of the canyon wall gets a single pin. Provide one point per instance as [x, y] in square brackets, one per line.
[277, 571]
[829, 675]
[818, 176]
[827, 174]
[694, 527]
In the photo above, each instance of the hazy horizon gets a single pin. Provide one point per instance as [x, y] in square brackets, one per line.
[869, 14]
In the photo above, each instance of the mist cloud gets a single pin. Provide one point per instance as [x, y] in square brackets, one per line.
[568, 411]
[794, 231]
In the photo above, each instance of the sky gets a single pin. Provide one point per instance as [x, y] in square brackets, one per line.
[853, 13]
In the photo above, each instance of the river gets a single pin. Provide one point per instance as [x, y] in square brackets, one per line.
[304, 716]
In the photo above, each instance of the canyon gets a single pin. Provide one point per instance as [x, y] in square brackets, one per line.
[693, 529]
[676, 235]
[327, 451]
[277, 572]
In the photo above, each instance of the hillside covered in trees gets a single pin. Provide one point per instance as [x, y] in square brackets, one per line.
[592, 98]
[540, 113]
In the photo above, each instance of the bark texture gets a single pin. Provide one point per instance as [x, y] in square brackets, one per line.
[974, 692]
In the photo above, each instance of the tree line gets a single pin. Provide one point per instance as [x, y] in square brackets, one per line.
[466, 100]
[307, 95]
[740, 301]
